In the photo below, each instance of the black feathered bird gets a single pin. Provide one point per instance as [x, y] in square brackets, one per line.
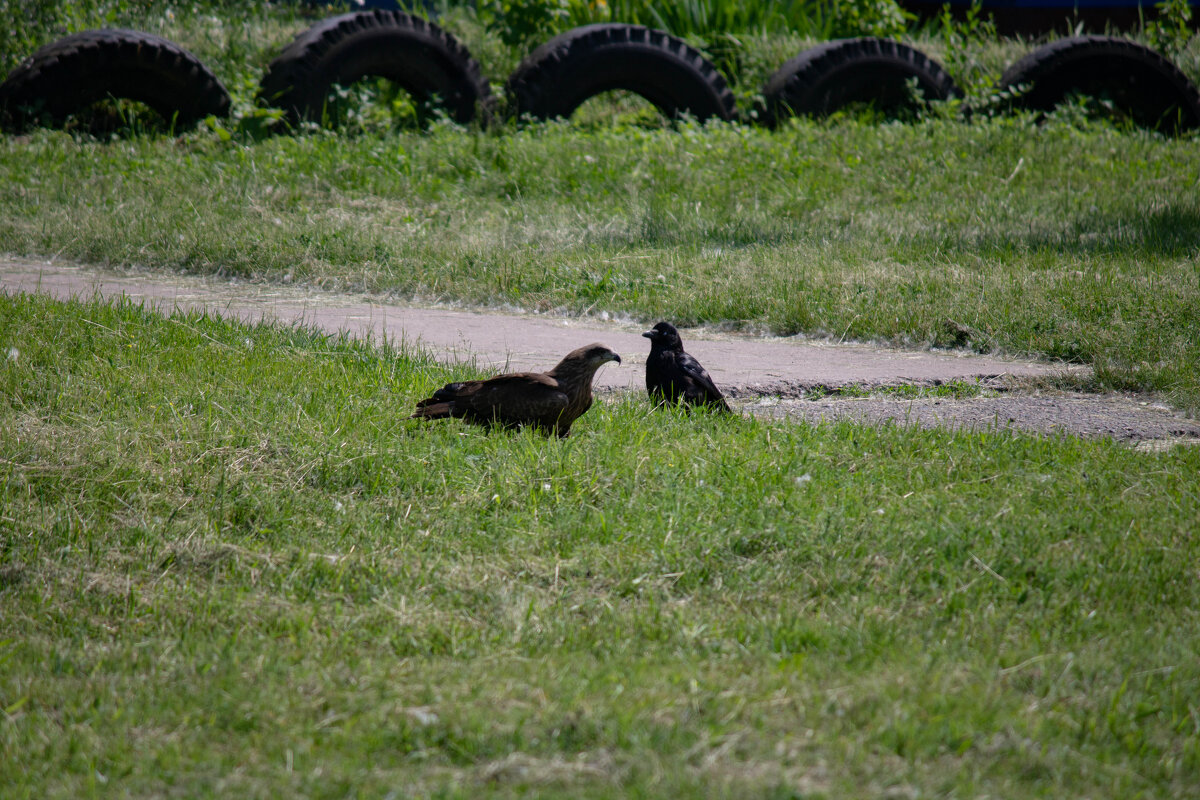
[549, 401]
[673, 375]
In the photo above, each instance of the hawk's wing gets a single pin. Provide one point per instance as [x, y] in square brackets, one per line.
[522, 397]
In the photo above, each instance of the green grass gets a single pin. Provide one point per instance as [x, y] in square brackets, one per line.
[1061, 241]
[230, 567]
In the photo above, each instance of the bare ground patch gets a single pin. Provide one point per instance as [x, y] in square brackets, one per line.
[1126, 418]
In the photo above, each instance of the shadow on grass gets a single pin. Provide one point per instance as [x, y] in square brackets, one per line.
[654, 228]
[1172, 230]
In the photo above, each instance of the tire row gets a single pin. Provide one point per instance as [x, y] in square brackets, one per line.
[67, 76]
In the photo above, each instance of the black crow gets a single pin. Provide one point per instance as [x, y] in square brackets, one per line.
[672, 375]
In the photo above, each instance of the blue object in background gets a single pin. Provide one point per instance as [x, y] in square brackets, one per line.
[1040, 16]
[1063, 6]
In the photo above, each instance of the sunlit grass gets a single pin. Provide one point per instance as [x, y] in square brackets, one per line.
[230, 565]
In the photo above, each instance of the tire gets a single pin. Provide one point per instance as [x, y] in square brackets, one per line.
[559, 76]
[67, 76]
[835, 74]
[424, 60]
[1135, 78]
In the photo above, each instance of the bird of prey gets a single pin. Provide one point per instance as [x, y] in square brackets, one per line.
[548, 401]
[673, 375]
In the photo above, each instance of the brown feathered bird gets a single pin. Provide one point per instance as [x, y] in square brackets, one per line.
[549, 401]
[673, 375]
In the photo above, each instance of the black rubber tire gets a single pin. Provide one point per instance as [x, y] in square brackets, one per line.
[65, 77]
[413, 53]
[1135, 78]
[835, 74]
[559, 76]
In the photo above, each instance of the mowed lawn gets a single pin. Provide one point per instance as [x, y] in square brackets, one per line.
[229, 567]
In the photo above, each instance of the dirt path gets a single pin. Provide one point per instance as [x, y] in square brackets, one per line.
[771, 373]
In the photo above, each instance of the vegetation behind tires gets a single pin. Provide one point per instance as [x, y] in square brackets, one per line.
[748, 42]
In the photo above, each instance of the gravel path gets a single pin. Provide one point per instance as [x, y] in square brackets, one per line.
[1138, 421]
[769, 375]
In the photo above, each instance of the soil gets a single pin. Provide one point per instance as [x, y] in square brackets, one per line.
[789, 377]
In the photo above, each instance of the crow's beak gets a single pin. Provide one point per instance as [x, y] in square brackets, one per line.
[650, 334]
[616, 358]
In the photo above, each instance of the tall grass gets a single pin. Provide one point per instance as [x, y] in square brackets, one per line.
[31, 23]
[821, 19]
[817, 19]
